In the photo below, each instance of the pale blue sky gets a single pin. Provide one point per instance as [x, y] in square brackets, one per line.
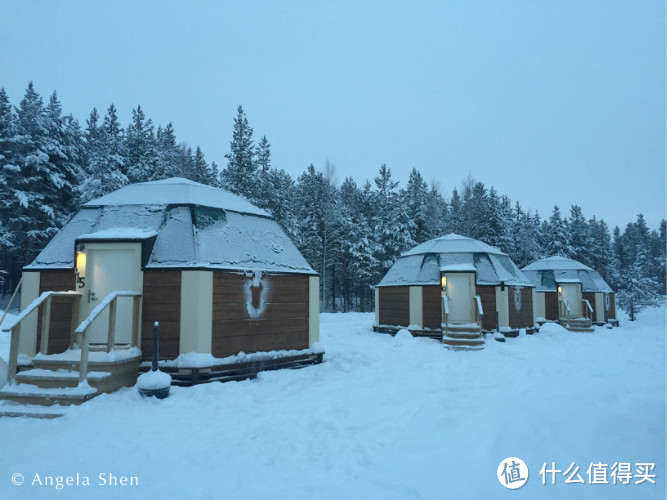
[550, 102]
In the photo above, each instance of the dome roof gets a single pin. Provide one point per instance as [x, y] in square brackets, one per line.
[555, 262]
[183, 225]
[176, 191]
[545, 274]
[453, 243]
[451, 253]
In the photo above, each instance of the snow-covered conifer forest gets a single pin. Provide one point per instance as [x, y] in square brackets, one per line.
[351, 232]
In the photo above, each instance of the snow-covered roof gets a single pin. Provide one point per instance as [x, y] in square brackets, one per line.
[546, 273]
[423, 264]
[453, 243]
[176, 191]
[195, 234]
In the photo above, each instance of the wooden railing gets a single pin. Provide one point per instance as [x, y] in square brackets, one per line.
[445, 315]
[42, 304]
[110, 301]
[479, 311]
[588, 310]
[563, 309]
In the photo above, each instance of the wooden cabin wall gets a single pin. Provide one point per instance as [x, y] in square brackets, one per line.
[523, 317]
[431, 306]
[60, 326]
[395, 305]
[612, 306]
[281, 320]
[551, 305]
[162, 303]
[487, 295]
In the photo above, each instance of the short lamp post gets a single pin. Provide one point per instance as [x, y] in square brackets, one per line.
[155, 383]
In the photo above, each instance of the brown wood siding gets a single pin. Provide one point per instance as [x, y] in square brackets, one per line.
[612, 306]
[431, 306]
[551, 305]
[282, 323]
[395, 305]
[522, 318]
[487, 295]
[590, 297]
[60, 326]
[162, 303]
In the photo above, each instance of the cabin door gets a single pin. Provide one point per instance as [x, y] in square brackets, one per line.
[110, 270]
[571, 292]
[460, 292]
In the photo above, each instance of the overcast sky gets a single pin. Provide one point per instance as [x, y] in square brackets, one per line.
[550, 102]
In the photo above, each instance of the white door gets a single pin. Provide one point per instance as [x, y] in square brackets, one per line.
[460, 297]
[111, 271]
[570, 293]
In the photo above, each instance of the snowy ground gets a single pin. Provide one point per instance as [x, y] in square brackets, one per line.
[383, 418]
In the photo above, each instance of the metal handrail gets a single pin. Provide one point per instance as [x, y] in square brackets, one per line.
[109, 301]
[15, 327]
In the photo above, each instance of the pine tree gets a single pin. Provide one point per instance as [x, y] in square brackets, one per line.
[281, 202]
[415, 198]
[579, 236]
[436, 214]
[639, 290]
[8, 178]
[393, 227]
[105, 157]
[239, 176]
[320, 228]
[556, 235]
[141, 148]
[264, 189]
[40, 194]
[167, 153]
[455, 213]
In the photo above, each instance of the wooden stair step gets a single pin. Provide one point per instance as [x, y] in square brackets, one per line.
[31, 394]
[11, 409]
[57, 378]
[462, 342]
[464, 335]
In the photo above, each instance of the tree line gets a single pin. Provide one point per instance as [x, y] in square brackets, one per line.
[350, 233]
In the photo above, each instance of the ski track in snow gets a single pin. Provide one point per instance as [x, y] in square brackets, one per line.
[382, 418]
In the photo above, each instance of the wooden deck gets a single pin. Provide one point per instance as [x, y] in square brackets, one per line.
[235, 371]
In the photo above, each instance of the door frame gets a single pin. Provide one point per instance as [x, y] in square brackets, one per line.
[87, 247]
[472, 274]
[575, 311]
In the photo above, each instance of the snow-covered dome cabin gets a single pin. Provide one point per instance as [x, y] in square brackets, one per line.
[218, 274]
[567, 288]
[473, 280]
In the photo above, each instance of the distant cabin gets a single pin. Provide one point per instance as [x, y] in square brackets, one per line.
[567, 288]
[457, 281]
[218, 274]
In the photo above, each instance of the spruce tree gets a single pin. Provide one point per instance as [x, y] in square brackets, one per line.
[141, 148]
[557, 237]
[239, 176]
